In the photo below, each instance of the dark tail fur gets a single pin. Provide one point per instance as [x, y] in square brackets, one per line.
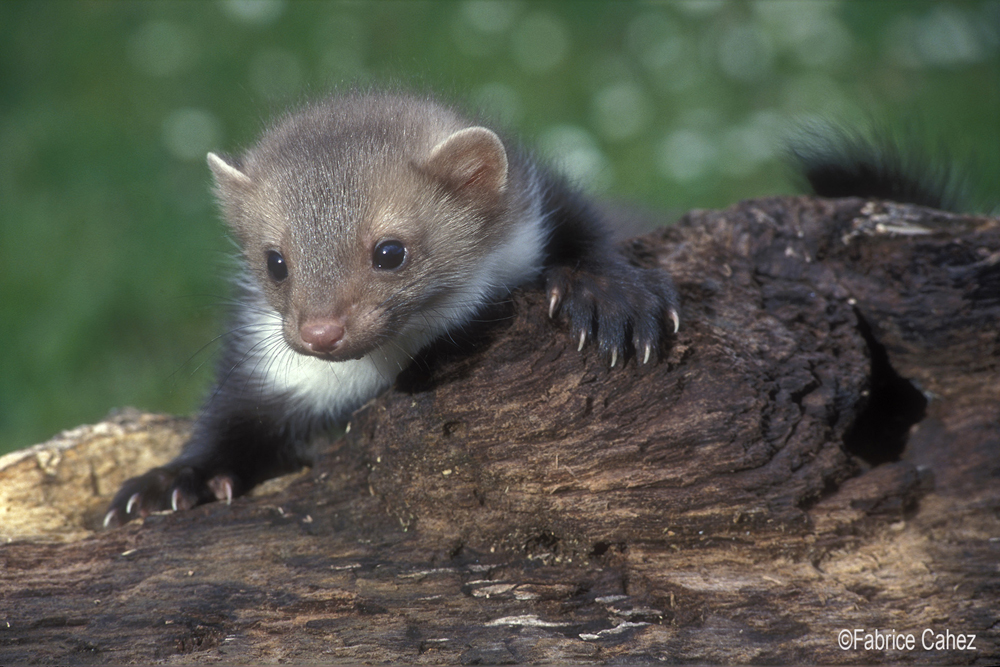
[880, 164]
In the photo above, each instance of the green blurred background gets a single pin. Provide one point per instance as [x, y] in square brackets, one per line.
[112, 261]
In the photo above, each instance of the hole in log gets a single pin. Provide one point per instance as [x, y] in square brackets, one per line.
[601, 548]
[544, 542]
[880, 433]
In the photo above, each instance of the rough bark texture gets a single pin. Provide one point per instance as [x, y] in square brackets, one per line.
[816, 451]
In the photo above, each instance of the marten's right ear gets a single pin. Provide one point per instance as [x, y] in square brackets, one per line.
[232, 187]
[470, 162]
[227, 174]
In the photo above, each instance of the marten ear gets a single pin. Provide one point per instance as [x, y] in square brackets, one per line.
[472, 162]
[227, 174]
[231, 187]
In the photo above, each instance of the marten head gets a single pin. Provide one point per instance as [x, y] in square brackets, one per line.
[370, 217]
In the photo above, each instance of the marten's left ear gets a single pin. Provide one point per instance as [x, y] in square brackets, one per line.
[470, 162]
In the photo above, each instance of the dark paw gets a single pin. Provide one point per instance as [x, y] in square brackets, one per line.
[171, 487]
[625, 308]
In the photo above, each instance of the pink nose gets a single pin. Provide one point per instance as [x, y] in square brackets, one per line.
[322, 336]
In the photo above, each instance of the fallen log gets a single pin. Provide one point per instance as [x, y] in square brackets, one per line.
[815, 453]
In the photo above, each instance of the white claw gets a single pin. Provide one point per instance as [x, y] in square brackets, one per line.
[553, 302]
[108, 517]
[583, 339]
[614, 357]
[131, 503]
[676, 319]
[649, 350]
[222, 488]
[175, 499]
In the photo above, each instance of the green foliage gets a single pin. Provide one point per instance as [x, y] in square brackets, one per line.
[112, 261]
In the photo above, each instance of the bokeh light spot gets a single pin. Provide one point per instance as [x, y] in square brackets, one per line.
[540, 43]
[189, 134]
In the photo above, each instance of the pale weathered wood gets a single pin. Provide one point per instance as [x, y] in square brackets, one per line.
[742, 500]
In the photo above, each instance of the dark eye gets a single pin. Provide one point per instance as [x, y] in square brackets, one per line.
[276, 266]
[388, 255]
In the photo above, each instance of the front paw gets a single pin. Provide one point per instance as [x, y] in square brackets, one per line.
[625, 307]
[171, 487]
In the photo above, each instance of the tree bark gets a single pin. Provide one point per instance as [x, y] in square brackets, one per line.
[816, 451]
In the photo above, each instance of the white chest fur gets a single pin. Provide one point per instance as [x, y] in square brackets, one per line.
[313, 385]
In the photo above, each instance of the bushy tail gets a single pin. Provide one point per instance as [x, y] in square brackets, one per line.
[879, 164]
